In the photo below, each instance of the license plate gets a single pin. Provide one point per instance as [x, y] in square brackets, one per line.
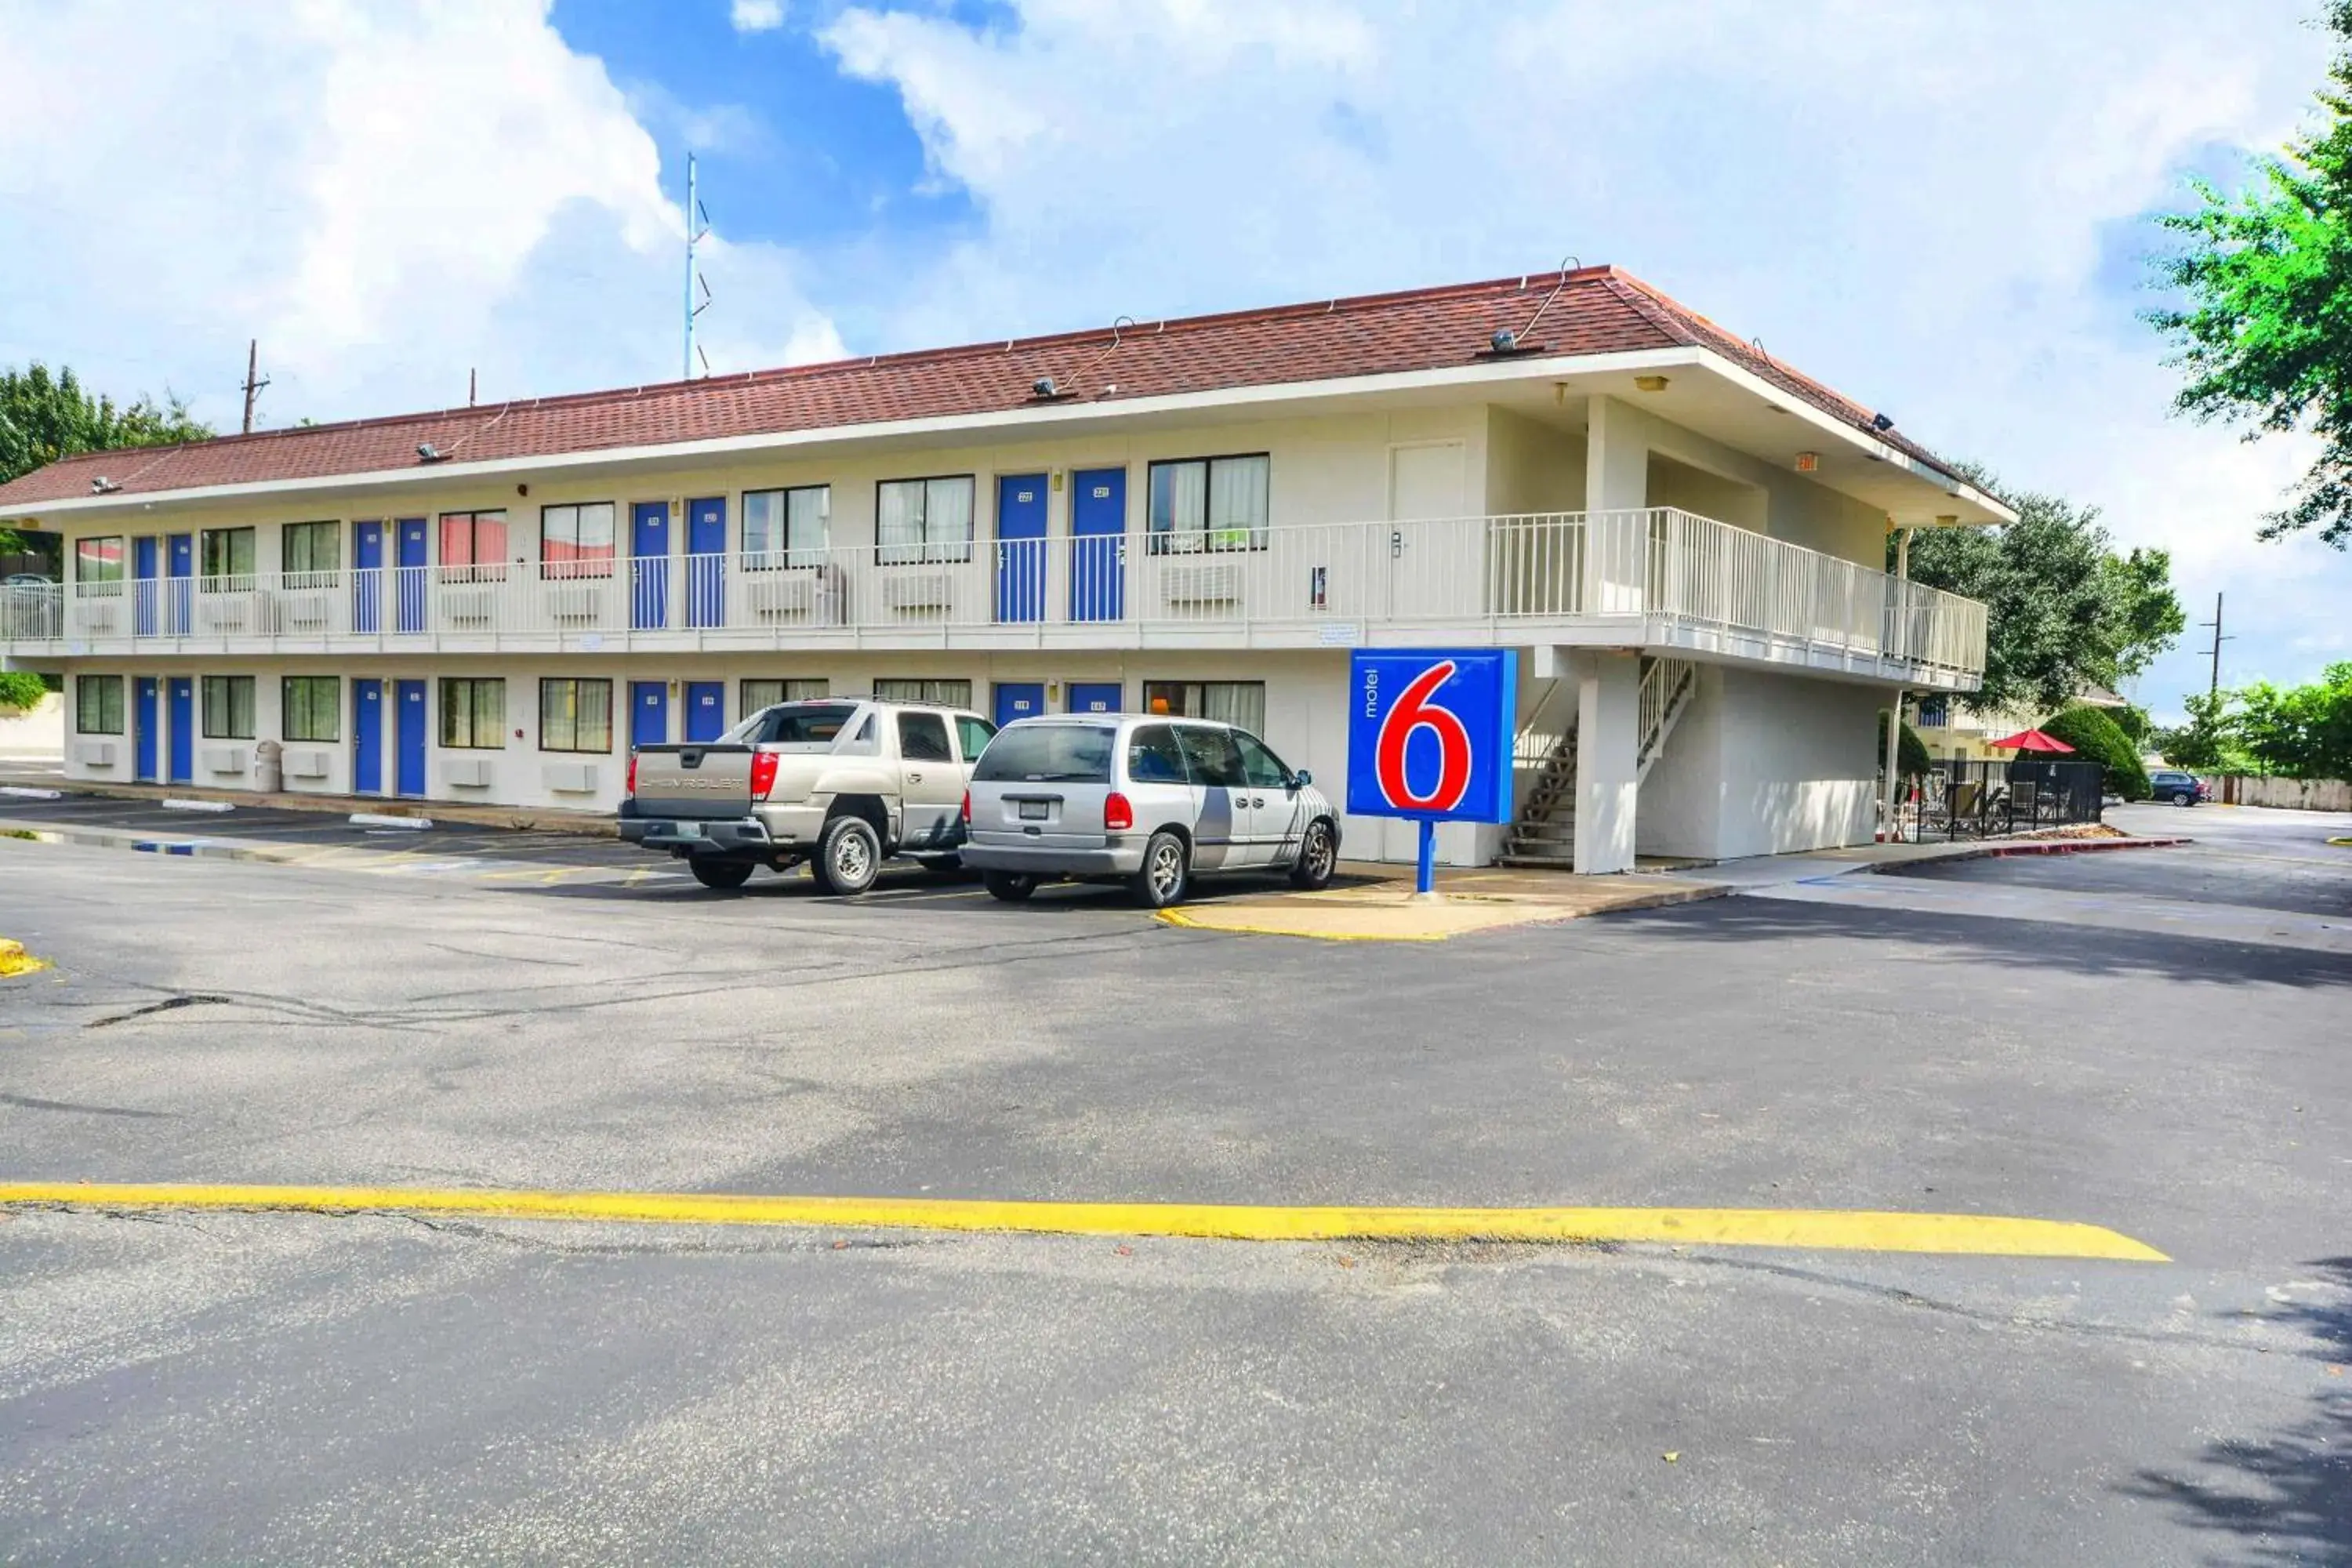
[1033, 810]
[687, 829]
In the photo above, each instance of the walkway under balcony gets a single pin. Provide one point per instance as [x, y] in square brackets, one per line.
[1657, 578]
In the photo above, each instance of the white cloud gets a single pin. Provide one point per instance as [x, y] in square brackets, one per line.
[1913, 200]
[757, 15]
[386, 197]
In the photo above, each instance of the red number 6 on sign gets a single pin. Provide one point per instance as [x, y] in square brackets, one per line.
[1414, 711]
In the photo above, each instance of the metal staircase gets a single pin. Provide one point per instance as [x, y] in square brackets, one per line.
[1543, 835]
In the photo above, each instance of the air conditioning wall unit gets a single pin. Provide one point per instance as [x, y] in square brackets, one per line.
[568, 778]
[468, 773]
[306, 764]
[224, 759]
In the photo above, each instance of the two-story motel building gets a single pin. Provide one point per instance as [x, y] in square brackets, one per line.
[1684, 539]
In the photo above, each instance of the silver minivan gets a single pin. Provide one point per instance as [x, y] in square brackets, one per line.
[1144, 799]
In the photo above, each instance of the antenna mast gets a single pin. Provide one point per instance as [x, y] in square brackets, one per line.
[698, 226]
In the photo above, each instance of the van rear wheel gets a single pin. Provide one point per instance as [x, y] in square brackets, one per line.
[1166, 870]
[720, 873]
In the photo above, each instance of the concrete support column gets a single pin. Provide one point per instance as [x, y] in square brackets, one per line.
[1616, 487]
[1608, 745]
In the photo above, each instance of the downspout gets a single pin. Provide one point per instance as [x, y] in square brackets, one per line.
[1890, 827]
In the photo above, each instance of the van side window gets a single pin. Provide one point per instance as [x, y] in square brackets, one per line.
[1153, 756]
[974, 734]
[923, 738]
[1211, 756]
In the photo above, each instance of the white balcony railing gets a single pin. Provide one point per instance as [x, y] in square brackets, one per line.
[1745, 591]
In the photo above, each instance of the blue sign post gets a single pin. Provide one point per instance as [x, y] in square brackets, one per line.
[1429, 738]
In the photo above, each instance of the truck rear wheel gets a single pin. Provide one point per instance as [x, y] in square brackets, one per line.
[715, 873]
[848, 856]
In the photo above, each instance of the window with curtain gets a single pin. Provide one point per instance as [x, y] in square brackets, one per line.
[923, 520]
[935, 693]
[229, 708]
[225, 559]
[98, 563]
[576, 541]
[758, 694]
[786, 528]
[474, 714]
[310, 554]
[97, 704]
[311, 707]
[1241, 702]
[575, 715]
[473, 546]
[1210, 503]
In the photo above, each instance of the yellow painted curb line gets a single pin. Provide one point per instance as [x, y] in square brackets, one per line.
[1841, 1230]
[1236, 928]
[15, 960]
[2346, 842]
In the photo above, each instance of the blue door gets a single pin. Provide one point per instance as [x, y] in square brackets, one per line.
[648, 713]
[142, 728]
[1021, 547]
[706, 564]
[183, 730]
[1097, 545]
[143, 608]
[408, 696]
[413, 569]
[649, 565]
[1095, 696]
[180, 562]
[367, 580]
[705, 710]
[367, 734]
[1019, 700]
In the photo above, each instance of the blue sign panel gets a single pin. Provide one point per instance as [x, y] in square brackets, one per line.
[1429, 733]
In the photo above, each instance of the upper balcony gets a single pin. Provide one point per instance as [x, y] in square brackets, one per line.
[1656, 578]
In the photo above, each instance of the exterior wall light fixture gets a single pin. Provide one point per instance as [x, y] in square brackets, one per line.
[1650, 382]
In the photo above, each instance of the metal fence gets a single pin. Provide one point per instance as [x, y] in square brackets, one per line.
[1982, 799]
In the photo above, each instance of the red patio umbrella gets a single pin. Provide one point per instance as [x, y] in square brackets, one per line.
[2031, 741]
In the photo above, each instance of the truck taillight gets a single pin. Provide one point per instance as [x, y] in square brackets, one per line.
[632, 773]
[1119, 813]
[967, 808]
[764, 774]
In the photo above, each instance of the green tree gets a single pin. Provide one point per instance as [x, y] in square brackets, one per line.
[2264, 329]
[44, 417]
[2300, 731]
[2208, 743]
[2063, 610]
[2096, 739]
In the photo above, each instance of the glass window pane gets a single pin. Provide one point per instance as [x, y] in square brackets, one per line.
[923, 738]
[1262, 767]
[1211, 756]
[1241, 704]
[1153, 756]
[1237, 503]
[98, 560]
[456, 539]
[1050, 754]
[898, 521]
[763, 527]
[594, 723]
[947, 520]
[973, 734]
[555, 709]
[1179, 502]
[809, 523]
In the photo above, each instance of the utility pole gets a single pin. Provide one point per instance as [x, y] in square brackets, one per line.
[469, 386]
[697, 224]
[2213, 688]
[253, 383]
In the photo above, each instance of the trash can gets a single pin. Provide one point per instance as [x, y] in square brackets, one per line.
[268, 767]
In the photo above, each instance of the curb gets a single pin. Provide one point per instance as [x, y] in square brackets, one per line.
[1545, 914]
[591, 823]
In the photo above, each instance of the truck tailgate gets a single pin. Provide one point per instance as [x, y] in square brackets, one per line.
[694, 781]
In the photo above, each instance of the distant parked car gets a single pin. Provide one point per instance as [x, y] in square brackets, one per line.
[1148, 801]
[2179, 788]
[27, 580]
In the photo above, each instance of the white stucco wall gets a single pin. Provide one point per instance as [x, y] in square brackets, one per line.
[1764, 764]
[35, 731]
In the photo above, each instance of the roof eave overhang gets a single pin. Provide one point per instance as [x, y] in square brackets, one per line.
[1058, 418]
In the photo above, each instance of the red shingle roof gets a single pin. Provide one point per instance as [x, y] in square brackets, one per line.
[1598, 311]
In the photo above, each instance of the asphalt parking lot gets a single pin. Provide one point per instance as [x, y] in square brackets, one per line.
[2048, 1039]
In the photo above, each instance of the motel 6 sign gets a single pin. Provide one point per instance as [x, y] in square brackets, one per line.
[1429, 733]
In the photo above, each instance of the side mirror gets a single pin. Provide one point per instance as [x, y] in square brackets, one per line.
[1301, 779]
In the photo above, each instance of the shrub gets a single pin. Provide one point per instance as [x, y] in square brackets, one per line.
[2098, 738]
[1910, 751]
[21, 688]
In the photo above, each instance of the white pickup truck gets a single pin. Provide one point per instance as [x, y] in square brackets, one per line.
[840, 783]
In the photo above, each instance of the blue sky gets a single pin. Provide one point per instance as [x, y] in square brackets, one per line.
[1940, 209]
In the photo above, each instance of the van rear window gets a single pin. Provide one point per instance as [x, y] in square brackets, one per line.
[1048, 753]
